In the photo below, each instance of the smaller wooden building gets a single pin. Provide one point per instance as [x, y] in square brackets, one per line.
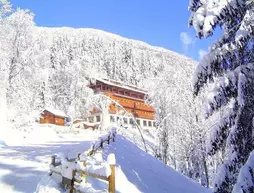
[53, 116]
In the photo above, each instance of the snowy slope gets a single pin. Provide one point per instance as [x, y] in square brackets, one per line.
[24, 163]
[146, 174]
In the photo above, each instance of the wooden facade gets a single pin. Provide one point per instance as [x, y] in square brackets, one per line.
[48, 117]
[129, 97]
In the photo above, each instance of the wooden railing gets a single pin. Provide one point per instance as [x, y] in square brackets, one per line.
[102, 141]
[74, 171]
[143, 106]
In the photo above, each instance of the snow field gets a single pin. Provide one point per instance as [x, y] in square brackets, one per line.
[26, 154]
[24, 165]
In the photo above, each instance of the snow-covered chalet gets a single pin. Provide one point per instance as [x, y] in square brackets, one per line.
[128, 105]
[53, 116]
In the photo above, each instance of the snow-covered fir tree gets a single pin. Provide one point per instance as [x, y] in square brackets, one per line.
[229, 64]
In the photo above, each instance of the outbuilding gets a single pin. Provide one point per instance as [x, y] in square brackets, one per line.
[53, 116]
[83, 124]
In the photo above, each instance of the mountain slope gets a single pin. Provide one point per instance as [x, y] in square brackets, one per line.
[51, 66]
[111, 54]
[145, 172]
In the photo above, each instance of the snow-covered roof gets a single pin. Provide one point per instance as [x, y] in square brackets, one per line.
[122, 85]
[56, 112]
[88, 123]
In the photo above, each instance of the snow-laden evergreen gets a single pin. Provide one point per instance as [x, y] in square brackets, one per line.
[229, 64]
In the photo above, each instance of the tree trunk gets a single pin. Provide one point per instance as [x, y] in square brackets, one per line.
[206, 172]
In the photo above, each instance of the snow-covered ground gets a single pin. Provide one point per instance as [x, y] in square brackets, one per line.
[25, 155]
[144, 173]
[25, 158]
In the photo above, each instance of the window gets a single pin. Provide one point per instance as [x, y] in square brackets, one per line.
[109, 89]
[149, 123]
[98, 118]
[98, 89]
[144, 123]
[112, 119]
[90, 119]
[138, 121]
[131, 121]
[125, 120]
[121, 92]
[117, 118]
[127, 93]
[154, 124]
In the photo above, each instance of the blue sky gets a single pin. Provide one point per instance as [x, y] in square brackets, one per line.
[158, 22]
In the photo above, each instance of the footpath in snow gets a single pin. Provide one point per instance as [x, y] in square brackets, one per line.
[23, 164]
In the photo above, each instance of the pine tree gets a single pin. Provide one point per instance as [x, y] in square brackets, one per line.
[229, 64]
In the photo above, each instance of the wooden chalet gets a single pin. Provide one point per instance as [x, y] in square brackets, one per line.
[52, 116]
[130, 97]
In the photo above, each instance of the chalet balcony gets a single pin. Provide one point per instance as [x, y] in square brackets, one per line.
[144, 107]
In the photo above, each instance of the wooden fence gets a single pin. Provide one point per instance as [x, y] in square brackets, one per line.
[102, 141]
[77, 175]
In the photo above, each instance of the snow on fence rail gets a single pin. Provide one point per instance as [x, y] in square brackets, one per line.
[101, 141]
[74, 171]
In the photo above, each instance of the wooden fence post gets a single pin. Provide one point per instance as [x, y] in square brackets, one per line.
[53, 160]
[108, 139]
[79, 156]
[114, 136]
[111, 179]
[101, 143]
[83, 173]
[72, 181]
